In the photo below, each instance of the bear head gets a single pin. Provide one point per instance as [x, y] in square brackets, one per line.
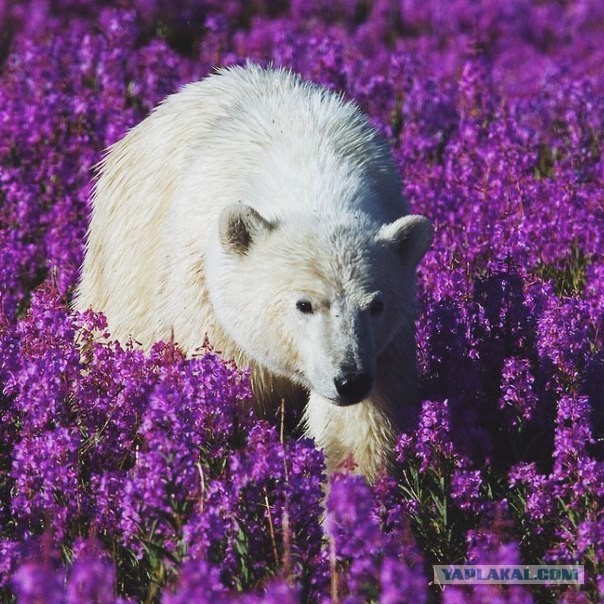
[317, 299]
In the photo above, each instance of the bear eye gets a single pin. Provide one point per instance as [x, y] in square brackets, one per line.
[305, 307]
[376, 307]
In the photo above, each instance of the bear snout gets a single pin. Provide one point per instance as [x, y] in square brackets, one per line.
[353, 387]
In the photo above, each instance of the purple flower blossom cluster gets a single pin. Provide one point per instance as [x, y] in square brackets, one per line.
[127, 476]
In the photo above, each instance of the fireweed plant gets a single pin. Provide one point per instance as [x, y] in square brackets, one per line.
[133, 477]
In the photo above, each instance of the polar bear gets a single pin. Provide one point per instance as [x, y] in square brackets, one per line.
[265, 213]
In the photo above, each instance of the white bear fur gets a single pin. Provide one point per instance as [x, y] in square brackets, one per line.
[334, 228]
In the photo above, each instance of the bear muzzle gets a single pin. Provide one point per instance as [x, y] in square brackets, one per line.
[353, 387]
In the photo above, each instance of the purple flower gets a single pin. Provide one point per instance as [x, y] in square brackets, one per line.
[349, 517]
[431, 443]
[92, 578]
[199, 582]
[38, 582]
[573, 434]
[401, 582]
[465, 490]
[539, 503]
[45, 470]
[374, 562]
[517, 392]
[488, 547]
[590, 539]
[276, 593]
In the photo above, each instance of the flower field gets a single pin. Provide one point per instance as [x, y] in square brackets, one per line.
[132, 477]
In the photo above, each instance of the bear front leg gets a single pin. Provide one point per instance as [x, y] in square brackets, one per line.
[360, 437]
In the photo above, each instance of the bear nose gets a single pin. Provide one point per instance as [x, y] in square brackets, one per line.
[353, 387]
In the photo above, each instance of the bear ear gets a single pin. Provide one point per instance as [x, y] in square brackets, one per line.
[240, 226]
[411, 235]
